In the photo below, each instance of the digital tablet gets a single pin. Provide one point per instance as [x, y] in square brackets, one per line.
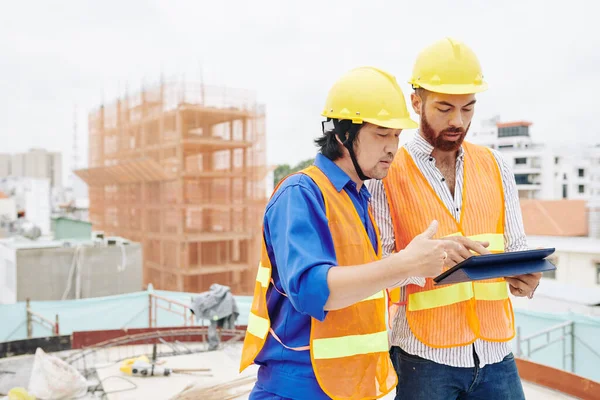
[489, 266]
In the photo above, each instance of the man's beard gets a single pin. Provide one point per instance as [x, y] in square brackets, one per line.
[438, 141]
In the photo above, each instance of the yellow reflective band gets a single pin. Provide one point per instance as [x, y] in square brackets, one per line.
[496, 241]
[440, 297]
[257, 326]
[491, 291]
[263, 276]
[347, 346]
[378, 295]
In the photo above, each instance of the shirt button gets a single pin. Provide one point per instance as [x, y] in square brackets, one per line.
[457, 209]
[430, 158]
[443, 179]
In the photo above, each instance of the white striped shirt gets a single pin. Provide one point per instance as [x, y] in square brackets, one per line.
[514, 235]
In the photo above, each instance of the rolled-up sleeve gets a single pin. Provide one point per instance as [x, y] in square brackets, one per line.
[300, 244]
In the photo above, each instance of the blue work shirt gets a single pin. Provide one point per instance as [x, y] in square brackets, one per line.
[301, 251]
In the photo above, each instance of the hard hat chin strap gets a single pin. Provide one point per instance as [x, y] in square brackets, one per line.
[346, 126]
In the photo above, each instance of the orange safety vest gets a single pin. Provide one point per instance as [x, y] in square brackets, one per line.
[349, 349]
[456, 314]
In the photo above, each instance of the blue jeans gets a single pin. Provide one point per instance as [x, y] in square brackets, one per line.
[421, 379]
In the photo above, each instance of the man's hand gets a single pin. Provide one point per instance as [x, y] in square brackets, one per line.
[425, 256]
[524, 285]
[458, 249]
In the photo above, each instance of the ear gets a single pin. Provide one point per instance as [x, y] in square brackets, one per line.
[416, 102]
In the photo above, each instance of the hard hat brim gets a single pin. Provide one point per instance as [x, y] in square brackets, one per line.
[398, 123]
[453, 89]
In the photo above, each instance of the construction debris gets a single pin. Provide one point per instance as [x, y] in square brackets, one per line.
[52, 378]
[143, 367]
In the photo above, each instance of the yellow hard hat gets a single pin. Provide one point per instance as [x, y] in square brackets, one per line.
[448, 66]
[368, 94]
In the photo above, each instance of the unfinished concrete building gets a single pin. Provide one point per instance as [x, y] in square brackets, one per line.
[181, 169]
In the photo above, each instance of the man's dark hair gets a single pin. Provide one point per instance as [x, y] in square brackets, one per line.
[328, 144]
[422, 93]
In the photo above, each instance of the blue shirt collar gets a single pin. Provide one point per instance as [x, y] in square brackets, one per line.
[337, 176]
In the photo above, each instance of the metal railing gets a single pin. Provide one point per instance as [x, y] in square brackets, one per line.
[566, 336]
[156, 302]
[32, 317]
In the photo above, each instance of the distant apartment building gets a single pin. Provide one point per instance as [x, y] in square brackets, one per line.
[36, 163]
[542, 172]
[5, 161]
[32, 196]
[572, 228]
[593, 154]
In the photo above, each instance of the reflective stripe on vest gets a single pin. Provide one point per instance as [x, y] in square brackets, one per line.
[496, 240]
[452, 315]
[378, 295]
[456, 293]
[347, 346]
[257, 326]
[490, 291]
[262, 276]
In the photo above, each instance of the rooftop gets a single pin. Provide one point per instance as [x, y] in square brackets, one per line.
[222, 381]
[513, 124]
[79, 316]
[555, 217]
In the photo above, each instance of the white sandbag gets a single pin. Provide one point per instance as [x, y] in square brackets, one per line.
[52, 378]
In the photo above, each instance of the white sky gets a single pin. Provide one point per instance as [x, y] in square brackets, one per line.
[542, 61]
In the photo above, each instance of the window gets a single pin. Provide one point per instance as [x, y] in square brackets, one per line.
[513, 131]
[506, 146]
[598, 273]
[581, 189]
[565, 177]
[522, 179]
[556, 160]
[564, 192]
[521, 160]
[581, 172]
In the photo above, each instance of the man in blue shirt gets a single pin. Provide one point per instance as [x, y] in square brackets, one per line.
[306, 282]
